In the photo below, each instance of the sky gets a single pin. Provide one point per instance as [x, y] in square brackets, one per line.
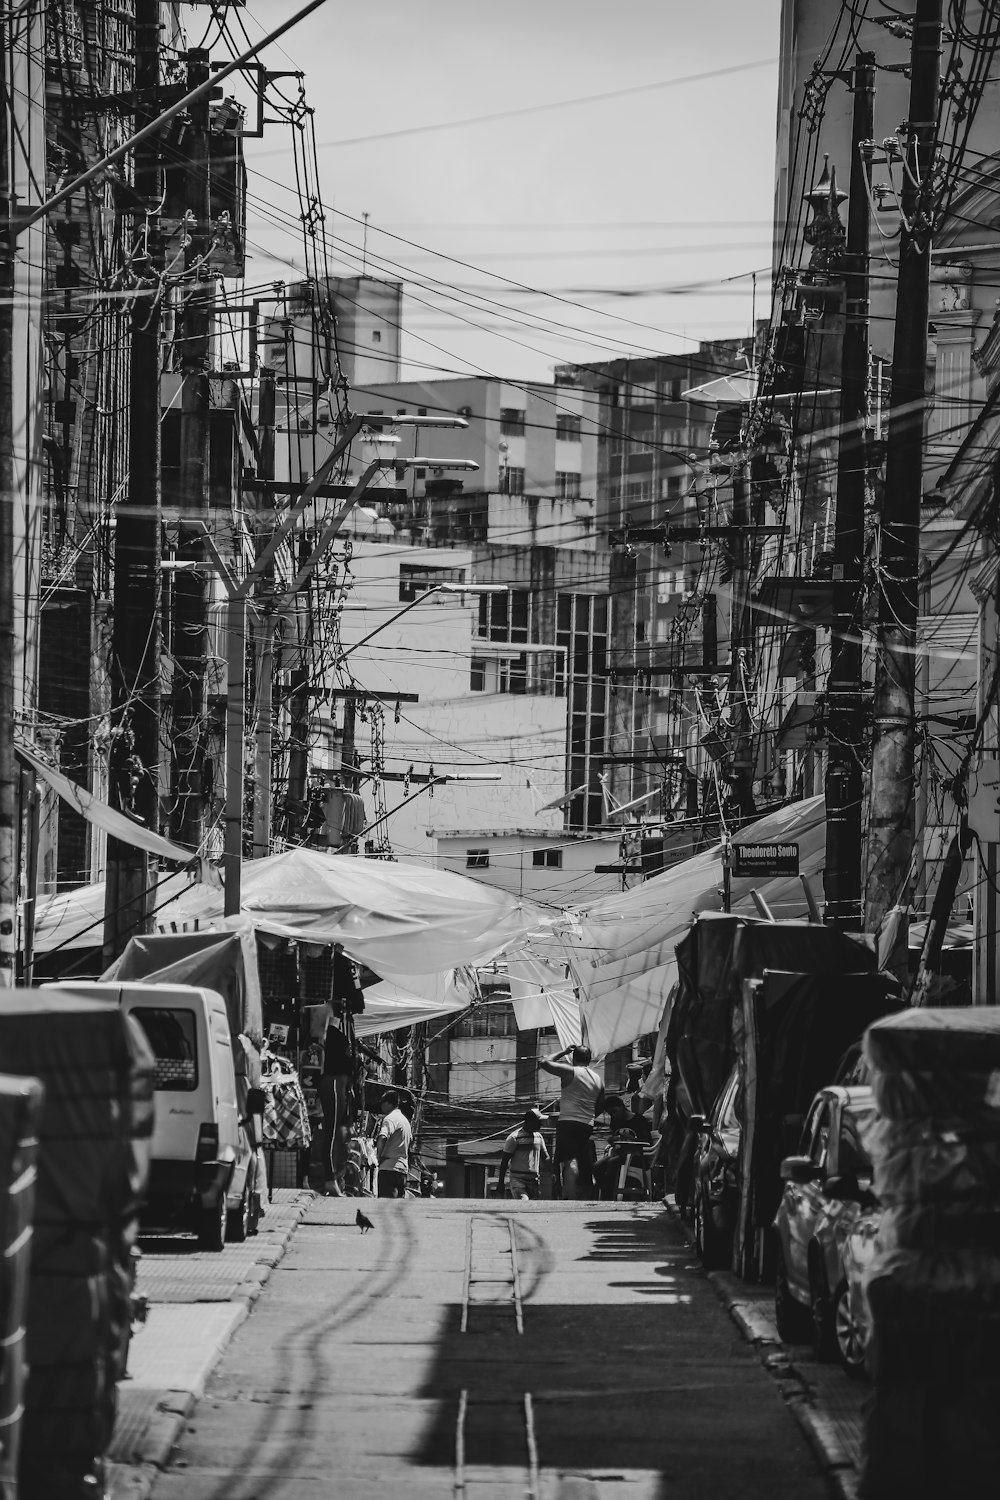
[554, 235]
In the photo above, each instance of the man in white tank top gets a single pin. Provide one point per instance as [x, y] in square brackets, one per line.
[579, 1103]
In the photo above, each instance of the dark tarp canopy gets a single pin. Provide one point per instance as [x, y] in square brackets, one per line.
[222, 961]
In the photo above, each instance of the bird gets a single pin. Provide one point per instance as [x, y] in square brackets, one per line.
[362, 1222]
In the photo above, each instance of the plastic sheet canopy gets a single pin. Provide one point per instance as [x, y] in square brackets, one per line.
[400, 919]
[621, 948]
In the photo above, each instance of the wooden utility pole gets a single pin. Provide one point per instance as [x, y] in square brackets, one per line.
[741, 671]
[844, 780]
[190, 645]
[265, 638]
[892, 820]
[8, 492]
[135, 645]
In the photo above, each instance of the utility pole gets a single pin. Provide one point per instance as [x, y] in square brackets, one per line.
[844, 780]
[741, 670]
[191, 589]
[265, 638]
[135, 644]
[892, 832]
[8, 492]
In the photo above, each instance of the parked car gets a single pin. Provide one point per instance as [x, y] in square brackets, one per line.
[204, 1160]
[825, 1228]
[716, 1192]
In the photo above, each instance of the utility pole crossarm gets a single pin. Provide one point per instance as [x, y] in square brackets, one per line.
[193, 96]
[310, 492]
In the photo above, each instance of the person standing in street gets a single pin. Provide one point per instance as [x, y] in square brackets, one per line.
[580, 1101]
[335, 1096]
[392, 1143]
[523, 1151]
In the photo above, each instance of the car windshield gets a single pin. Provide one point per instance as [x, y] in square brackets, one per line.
[855, 1124]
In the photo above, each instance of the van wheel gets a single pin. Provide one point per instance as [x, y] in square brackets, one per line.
[241, 1220]
[212, 1225]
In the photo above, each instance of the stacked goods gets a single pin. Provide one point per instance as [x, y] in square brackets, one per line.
[934, 1284]
[20, 1106]
[93, 1160]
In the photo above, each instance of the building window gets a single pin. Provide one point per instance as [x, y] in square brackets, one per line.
[376, 336]
[477, 859]
[414, 581]
[512, 480]
[643, 440]
[491, 1018]
[567, 485]
[511, 421]
[671, 487]
[477, 675]
[568, 428]
[548, 858]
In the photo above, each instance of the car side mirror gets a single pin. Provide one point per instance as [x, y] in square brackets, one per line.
[697, 1122]
[799, 1169]
[845, 1186]
[256, 1101]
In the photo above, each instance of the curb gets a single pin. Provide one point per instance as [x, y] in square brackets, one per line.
[758, 1329]
[163, 1429]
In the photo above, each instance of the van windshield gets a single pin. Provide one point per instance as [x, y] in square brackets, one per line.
[171, 1034]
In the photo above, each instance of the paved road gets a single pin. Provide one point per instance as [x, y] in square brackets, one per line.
[486, 1352]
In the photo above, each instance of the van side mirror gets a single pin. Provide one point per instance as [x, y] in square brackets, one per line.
[697, 1122]
[801, 1169]
[256, 1101]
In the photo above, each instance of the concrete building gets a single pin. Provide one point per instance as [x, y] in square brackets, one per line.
[654, 470]
[469, 721]
[554, 866]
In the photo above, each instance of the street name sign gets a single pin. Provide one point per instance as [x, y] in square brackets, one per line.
[755, 860]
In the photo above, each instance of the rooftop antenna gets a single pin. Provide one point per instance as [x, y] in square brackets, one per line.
[364, 245]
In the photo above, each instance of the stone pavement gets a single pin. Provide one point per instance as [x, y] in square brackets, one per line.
[484, 1351]
[826, 1400]
[197, 1300]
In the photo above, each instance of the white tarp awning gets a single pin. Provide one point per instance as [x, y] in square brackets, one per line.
[543, 994]
[75, 919]
[388, 1008]
[402, 920]
[101, 815]
[621, 948]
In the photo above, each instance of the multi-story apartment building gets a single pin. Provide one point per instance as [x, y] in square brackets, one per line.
[657, 417]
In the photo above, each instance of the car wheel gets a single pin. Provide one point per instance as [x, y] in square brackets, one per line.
[849, 1335]
[791, 1318]
[239, 1220]
[824, 1342]
[707, 1238]
[212, 1225]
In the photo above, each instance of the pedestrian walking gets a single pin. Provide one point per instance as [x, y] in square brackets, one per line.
[580, 1101]
[523, 1152]
[392, 1143]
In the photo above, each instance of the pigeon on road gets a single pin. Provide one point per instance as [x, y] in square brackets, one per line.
[362, 1222]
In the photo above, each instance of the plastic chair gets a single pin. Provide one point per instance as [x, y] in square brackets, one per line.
[633, 1157]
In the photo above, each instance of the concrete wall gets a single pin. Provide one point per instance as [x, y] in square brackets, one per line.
[428, 651]
[511, 867]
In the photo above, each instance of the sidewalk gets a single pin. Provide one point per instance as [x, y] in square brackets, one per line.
[825, 1400]
[197, 1301]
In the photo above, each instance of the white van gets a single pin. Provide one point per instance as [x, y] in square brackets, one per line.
[202, 1172]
